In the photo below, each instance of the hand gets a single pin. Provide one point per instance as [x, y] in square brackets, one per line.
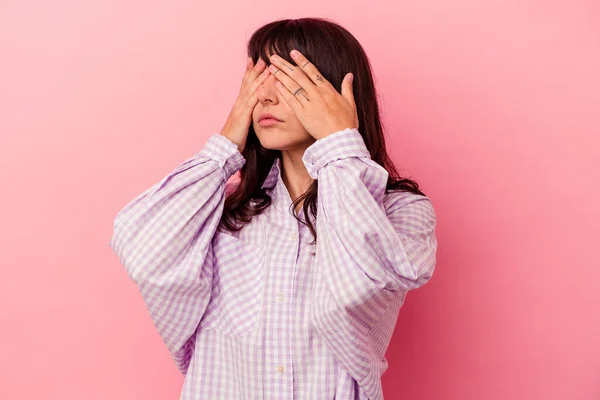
[239, 119]
[317, 104]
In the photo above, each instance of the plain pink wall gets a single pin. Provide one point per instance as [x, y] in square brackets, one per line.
[493, 106]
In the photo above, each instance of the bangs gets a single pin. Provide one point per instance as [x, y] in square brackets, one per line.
[327, 45]
[279, 37]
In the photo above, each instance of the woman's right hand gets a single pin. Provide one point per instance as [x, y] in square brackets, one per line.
[239, 120]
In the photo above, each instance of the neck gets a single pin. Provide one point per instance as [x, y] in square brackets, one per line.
[294, 173]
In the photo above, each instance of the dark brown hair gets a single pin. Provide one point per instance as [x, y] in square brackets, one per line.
[335, 52]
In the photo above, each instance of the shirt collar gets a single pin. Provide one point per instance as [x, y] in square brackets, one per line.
[273, 176]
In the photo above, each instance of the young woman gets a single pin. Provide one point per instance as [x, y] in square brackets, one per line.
[285, 283]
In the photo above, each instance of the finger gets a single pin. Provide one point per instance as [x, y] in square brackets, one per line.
[255, 70]
[287, 82]
[259, 81]
[289, 97]
[294, 72]
[310, 70]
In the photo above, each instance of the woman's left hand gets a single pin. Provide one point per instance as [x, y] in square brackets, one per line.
[317, 104]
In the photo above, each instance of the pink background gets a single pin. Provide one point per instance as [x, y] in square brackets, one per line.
[493, 106]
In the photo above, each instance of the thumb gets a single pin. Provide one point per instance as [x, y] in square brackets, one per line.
[347, 91]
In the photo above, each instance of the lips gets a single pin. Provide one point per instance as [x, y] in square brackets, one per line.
[268, 116]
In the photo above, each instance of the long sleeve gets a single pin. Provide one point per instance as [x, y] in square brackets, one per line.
[371, 249]
[163, 239]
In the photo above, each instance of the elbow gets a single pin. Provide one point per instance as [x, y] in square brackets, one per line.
[425, 272]
[120, 245]
[418, 272]
[183, 356]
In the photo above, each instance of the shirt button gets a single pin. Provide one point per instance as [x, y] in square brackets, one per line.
[294, 236]
[280, 297]
[280, 368]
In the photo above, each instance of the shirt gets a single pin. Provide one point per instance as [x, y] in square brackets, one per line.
[261, 313]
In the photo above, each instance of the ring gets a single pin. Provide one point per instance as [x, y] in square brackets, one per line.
[302, 92]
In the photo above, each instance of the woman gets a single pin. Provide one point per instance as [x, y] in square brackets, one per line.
[285, 283]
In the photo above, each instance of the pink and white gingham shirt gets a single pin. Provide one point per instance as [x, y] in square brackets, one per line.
[261, 313]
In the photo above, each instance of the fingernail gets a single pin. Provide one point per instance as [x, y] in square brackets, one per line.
[350, 78]
[295, 53]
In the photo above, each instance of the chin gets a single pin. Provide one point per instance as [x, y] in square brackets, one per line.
[280, 139]
[275, 140]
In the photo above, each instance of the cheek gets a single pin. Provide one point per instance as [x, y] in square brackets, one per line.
[288, 108]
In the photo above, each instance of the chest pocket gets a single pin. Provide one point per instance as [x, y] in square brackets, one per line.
[238, 282]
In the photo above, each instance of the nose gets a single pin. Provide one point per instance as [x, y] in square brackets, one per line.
[267, 92]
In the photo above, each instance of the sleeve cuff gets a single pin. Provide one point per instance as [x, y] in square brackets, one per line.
[224, 152]
[336, 146]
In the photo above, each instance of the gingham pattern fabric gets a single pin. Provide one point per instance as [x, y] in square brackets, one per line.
[261, 313]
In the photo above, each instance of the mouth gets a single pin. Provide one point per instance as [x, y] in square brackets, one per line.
[266, 122]
[268, 119]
